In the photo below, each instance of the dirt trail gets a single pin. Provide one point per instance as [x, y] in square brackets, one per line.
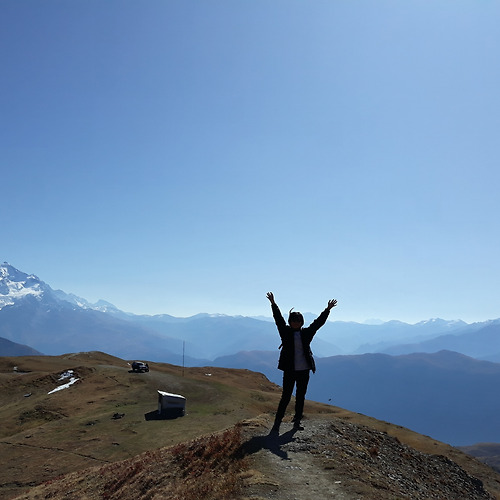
[284, 467]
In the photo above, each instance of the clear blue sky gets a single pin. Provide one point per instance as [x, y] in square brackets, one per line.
[189, 156]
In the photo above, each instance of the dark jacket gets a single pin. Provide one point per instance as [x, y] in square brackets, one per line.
[287, 356]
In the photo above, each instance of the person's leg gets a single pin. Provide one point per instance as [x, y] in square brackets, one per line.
[302, 378]
[288, 384]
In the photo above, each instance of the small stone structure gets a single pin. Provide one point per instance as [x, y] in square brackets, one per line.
[171, 405]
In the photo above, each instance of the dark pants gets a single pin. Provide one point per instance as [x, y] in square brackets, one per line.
[290, 378]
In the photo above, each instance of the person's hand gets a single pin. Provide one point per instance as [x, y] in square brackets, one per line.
[270, 296]
[331, 304]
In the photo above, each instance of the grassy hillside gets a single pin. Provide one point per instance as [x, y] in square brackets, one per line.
[107, 421]
[48, 435]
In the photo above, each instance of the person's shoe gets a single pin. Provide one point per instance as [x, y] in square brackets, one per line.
[297, 426]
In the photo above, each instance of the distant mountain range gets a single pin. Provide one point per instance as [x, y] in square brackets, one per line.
[447, 395]
[55, 322]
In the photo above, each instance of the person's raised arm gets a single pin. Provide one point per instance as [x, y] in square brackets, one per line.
[321, 319]
[278, 317]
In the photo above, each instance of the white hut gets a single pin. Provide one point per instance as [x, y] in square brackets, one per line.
[172, 405]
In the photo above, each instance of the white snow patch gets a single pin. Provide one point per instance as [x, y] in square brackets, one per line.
[68, 374]
[16, 291]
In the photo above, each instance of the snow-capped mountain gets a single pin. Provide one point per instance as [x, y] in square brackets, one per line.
[100, 305]
[54, 322]
[441, 323]
[16, 285]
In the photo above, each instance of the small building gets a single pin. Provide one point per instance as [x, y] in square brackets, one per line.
[171, 405]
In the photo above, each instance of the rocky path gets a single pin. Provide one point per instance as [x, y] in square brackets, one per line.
[283, 467]
[335, 459]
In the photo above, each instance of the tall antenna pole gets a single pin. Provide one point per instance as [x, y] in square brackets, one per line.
[183, 349]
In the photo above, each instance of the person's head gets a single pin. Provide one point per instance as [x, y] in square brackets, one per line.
[295, 320]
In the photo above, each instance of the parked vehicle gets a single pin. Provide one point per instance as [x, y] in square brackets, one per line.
[139, 366]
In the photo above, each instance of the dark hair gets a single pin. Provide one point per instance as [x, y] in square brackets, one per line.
[295, 316]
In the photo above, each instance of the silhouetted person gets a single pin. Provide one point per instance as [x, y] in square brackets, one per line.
[296, 359]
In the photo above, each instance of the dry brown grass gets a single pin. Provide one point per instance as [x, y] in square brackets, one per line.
[207, 468]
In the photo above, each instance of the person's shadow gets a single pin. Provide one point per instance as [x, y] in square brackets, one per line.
[272, 442]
